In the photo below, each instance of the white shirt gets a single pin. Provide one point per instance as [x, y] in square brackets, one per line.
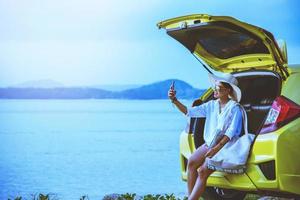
[229, 120]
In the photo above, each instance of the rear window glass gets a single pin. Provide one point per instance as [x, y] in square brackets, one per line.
[225, 43]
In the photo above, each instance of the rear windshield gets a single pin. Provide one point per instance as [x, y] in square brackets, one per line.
[225, 43]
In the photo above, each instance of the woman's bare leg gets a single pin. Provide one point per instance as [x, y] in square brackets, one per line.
[194, 162]
[200, 185]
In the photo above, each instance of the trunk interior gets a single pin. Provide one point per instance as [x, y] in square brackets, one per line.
[259, 90]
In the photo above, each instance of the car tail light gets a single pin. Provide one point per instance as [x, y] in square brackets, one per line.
[283, 111]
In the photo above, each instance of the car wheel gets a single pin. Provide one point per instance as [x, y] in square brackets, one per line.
[215, 193]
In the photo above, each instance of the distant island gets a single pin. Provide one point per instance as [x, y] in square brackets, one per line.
[157, 90]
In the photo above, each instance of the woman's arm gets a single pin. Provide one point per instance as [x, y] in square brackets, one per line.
[197, 111]
[178, 104]
[211, 152]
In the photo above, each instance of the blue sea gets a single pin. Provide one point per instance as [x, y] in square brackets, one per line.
[71, 148]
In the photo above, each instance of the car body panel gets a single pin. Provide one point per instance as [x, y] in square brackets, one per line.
[186, 149]
[263, 150]
[237, 181]
[281, 146]
[287, 157]
[291, 86]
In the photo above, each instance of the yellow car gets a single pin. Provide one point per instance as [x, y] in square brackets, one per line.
[269, 95]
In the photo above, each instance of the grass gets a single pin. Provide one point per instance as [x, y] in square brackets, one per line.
[127, 196]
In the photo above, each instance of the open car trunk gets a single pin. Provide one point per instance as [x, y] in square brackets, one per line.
[259, 90]
[226, 44]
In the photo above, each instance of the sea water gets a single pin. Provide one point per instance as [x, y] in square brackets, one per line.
[71, 148]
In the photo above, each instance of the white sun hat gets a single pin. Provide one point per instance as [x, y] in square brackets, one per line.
[231, 80]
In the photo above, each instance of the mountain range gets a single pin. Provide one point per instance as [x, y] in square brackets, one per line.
[157, 90]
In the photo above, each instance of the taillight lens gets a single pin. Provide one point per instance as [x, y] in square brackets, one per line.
[283, 111]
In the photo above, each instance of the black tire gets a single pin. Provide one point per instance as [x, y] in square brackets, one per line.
[215, 193]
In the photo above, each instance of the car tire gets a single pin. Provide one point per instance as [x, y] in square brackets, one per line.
[215, 193]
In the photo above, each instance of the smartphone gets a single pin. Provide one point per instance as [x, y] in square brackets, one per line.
[173, 85]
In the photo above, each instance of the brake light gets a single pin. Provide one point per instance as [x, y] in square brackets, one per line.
[283, 111]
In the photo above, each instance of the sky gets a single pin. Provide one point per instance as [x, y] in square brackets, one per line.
[94, 42]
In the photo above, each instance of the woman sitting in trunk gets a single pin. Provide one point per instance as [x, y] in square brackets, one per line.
[224, 118]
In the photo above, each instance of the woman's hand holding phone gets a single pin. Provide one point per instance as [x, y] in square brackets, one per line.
[172, 92]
